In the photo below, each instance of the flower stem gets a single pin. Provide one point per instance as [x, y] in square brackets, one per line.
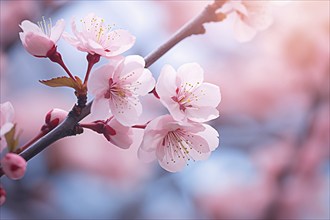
[92, 59]
[139, 126]
[56, 57]
[97, 127]
[153, 91]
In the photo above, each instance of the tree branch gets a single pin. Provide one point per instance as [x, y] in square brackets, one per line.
[193, 27]
[69, 126]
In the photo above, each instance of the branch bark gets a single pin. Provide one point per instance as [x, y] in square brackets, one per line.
[69, 126]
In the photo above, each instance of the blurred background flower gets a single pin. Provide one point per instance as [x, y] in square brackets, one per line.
[273, 158]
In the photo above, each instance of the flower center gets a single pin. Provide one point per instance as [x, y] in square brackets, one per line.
[177, 146]
[185, 95]
[115, 90]
[45, 27]
[96, 29]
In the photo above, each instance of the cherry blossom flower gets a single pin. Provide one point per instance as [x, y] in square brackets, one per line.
[13, 166]
[185, 95]
[116, 133]
[174, 143]
[53, 118]
[250, 17]
[96, 38]
[6, 122]
[39, 40]
[116, 87]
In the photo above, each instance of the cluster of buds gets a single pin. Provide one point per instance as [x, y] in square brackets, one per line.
[11, 163]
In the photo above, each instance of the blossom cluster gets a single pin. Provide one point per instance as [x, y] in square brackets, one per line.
[174, 139]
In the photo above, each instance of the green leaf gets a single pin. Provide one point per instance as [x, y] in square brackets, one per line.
[12, 141]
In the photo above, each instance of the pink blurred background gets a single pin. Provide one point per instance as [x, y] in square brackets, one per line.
[273, 158]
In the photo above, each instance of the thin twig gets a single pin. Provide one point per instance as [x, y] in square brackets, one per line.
[193, 27]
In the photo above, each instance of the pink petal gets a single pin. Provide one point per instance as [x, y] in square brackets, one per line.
[153, 137]
[151, 140]
[132, 70]
[147, 83]
[198, 143]
[206, 95]
[166, 86]
[74, 27]
[202, 114]
[100, 109]
[27, 26]
[166, 83]
[126, 110]
[121, 41]
[95, 47]
[193, 127]
[57, 30]
[155, 132]
[191, 73]
[77, 40]
[174, 109]
[199, 156]
[211, 136]
[37, 45]
[171, 166]
[159, 124]
[70, 39]
[119, 66]
[124, 135]
[98, 82]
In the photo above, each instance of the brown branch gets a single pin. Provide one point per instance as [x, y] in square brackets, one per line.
[69, 126]
[193, 27]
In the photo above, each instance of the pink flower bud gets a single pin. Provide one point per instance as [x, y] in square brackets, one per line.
[2, 196]
[13, 166]
[53, 118]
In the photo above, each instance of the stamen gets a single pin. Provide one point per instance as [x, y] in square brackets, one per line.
[45, 27]
[176, 143]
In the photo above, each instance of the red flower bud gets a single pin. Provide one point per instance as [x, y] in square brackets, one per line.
[53, 118]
